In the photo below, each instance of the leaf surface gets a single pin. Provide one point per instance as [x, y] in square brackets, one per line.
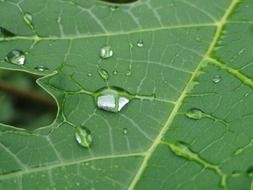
[190, 123]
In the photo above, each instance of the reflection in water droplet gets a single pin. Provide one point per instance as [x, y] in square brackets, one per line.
[106, 52]
[16, 57]
[41, 68]
[195, 113]
[28, 18]
[103, 74]
[216, 79]
[83, 136]
[122, 102]
[140, 44]
[125, 131]
[112, 100]
[107, 102]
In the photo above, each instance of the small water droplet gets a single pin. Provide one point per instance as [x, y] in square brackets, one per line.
[83, 136]
[16, 57]
[28, 19]
[129, 73]
[106, 52]
[113, 100]
[115, 72]
[140, 44]
[114, 8]
[103, 74]
[125, 131]
[58, 20]
[216, 79]
[89, 74]
[195, 113]
[41, 68]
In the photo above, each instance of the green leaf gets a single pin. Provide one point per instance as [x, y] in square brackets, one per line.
[187, 66]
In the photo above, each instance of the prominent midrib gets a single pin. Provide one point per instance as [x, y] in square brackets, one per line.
[187, 89]
[65, 163]
[87, 36]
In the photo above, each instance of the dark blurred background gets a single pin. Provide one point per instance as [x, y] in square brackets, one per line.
[23, 103]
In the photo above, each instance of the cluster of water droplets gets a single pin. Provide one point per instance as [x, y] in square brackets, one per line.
[108, 99]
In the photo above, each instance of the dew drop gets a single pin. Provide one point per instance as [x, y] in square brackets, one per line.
[28, 19]
[115, 72]
[140, 44]
[83, 136]
[41, 68]
[103, 74]
[16, 57]
[129, 73]
[195, 113]
[112, 99]
[89, 74]
[114, 8]
[216, 79]
[125, 131]
[58, 20]
[106, 52]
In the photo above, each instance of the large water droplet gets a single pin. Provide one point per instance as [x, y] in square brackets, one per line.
[111, 99]
[216, 79]
[195, 113]
[16, 57]
[103, 74]
[106, 52]
[140, 44]
[28, 19]
[41, 68]
[5, 33]
[83, 136]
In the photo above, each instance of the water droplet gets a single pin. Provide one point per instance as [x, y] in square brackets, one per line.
[83, 136]
[103, 74]
[28, 19]
[114, 8]
[58, 20]
[140, 44]
[89, 74]
[16, 57]
[111, 99]
[5, 33]
[106, 52]
[129, 73]
[125, 131]
[115, 72]
[41, 68]
[195, 113]
[216, 79]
